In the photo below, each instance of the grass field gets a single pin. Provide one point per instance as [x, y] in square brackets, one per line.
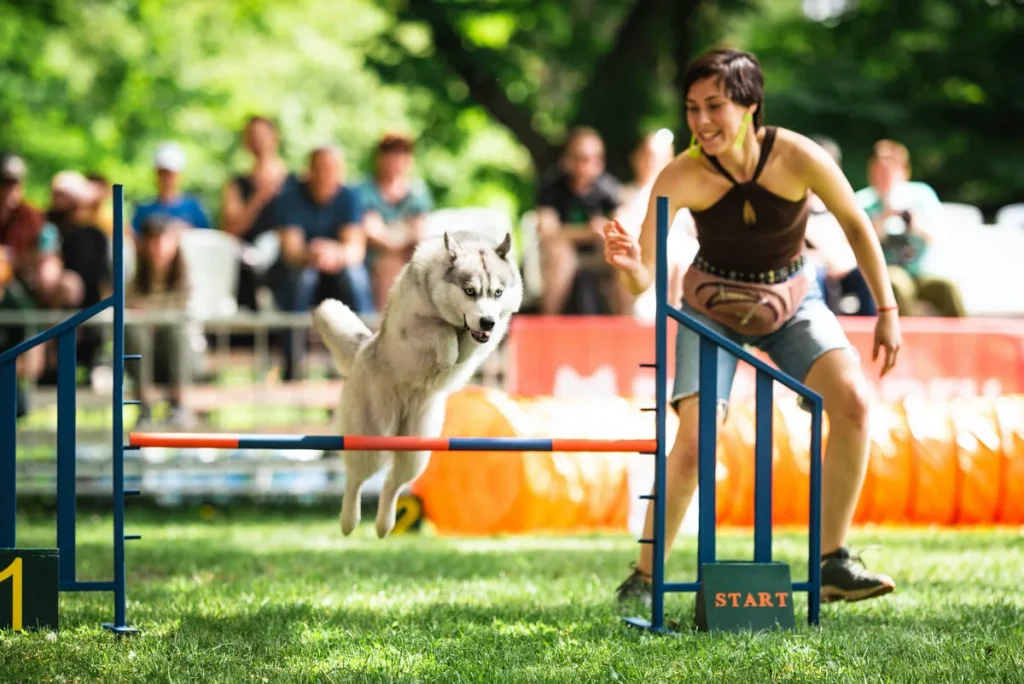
[283, 598]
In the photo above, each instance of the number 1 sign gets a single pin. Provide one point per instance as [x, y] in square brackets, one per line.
[28, 589]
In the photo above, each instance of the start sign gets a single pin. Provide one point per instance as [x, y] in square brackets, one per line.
[745, 595]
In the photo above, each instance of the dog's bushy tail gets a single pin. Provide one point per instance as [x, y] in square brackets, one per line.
[342, 331]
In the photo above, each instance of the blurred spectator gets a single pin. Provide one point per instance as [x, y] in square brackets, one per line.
[169, 162]
[650, 156]
[34, 242]
[247, 199]
[396, 212]
[20, 222]
[830, 253]
[14, 297]
[323, 244]
[84, 251]
[573, 205]
[84, 246]
[102, 206]
[160, 283]
[906, 214]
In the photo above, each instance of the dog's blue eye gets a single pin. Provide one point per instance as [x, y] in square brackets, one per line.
[497, 293]
[470, 292]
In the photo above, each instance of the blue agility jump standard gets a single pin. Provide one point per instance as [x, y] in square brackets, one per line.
[65, 334]
[762, 564]
[711, 342]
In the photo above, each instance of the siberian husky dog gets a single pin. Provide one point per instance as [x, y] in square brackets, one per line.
[448, 309]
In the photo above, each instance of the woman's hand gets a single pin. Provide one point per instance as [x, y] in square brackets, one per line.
[887, 334]
[621, 249]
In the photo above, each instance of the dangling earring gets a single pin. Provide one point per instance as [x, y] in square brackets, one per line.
[694, 149]
[748, 119]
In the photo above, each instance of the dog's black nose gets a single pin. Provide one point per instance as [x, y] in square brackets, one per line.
[487, 324]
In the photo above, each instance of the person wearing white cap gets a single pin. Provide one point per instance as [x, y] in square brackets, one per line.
[169, 162]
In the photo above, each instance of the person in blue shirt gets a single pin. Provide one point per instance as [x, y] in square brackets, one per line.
[396, 211]
[169, 162]
[905, 215]
[323, 244]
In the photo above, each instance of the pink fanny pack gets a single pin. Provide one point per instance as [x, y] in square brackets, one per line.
[748, 308]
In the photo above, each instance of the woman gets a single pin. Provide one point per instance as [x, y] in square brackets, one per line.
[747, 189]
[246, 199]
[396, 212]
[160, 284]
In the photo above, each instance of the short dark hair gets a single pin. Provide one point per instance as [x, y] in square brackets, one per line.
[581, 131]
[739, 73]
[395, 142]
[260, 119]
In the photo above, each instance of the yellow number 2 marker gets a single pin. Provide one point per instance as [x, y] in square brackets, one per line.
[409, 511]
[14, 572]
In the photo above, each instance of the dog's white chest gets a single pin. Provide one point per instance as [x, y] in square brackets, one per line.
[467, 346]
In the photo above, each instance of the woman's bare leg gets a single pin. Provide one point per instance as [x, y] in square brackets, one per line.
[838, 377]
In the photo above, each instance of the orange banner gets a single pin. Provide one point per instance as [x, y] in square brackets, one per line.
[941, 358]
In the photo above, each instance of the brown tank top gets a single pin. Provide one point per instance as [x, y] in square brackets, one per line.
[774, 239]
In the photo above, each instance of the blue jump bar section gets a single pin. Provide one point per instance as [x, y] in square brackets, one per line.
[67, 324]
[763, 469]
[739, 352]
[814, 552]
[678, 587]
[337, 443]
[707, 440]
[86, 586]
[499, 444]
[117, 405]
[8, 451]
[661, 402]
[66, 425]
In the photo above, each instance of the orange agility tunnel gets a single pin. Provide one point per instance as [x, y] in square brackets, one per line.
[486, 492]
[932, 462]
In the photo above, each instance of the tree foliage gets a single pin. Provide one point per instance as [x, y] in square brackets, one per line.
[491, 86]
[941, 76]
[94, 85]
[539, 68]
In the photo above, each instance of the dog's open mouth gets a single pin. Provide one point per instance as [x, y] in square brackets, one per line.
[480, 336]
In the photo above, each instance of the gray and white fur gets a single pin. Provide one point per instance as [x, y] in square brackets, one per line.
[448, 309]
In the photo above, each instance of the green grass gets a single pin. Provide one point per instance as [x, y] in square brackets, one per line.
[283, 597]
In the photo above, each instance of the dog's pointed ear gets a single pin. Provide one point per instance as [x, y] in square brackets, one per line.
[451, 244]
[505, 246]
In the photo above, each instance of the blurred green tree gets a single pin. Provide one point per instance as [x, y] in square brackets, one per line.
[491, 86]
[941, 76]
[539, 68]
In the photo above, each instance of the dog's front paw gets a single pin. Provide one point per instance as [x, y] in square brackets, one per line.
[447, 349]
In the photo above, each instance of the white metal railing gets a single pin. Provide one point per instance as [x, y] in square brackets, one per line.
[262, 325]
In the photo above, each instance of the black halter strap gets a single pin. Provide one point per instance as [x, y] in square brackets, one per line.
[766, 148]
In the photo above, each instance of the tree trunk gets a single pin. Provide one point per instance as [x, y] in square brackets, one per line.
[482, 85]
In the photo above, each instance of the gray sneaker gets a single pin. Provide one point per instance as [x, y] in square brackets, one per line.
[636, 588]
[844, 578]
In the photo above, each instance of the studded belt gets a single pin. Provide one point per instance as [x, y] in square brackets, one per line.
[775, 275]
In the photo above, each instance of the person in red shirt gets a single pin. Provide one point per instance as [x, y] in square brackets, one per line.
[20, 223]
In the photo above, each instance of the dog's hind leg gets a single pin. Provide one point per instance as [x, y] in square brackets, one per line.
[361, 415]
[406, 466]
[360, 466]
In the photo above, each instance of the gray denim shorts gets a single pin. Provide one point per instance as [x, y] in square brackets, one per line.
[812, 331]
